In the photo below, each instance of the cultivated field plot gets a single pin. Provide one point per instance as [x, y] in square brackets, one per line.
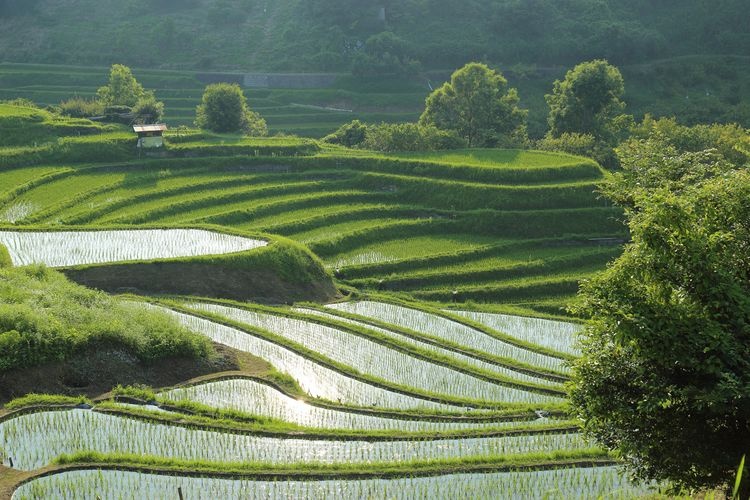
[427, 344]
[556, 335]
[451, 331]
[260, 399]
[35, 440]
[315, 379]
[595, 482]
[71, 248]
[380, 361]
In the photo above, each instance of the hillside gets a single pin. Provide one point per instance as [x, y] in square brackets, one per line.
[320, 35]
[695, 89]
[363, 309]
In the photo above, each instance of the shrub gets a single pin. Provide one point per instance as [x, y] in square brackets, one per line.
[350, 134]
[410, 137]
[78, 107]
[224, 109]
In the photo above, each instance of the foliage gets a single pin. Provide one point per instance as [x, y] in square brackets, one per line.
[478, 105]
[384, 55]
[122, 89]
[78, 107]
[389, 137]
[665, 375]
[45, 318]
[5, 260]
[148, 110]
[350, 134]
[588, 101]
[729, 140]
[224, 108]
[580, 144]
[668, 156]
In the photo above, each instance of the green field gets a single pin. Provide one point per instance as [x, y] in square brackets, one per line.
[410, 241]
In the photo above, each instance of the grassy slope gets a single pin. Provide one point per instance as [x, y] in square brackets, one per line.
[47, 321]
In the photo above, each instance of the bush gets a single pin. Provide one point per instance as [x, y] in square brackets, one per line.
[389, 137]
[581, 145]
[350, 134]
[224, 109]
[78, 107]
[148, 110]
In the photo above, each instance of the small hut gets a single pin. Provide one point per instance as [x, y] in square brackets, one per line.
[150, 136]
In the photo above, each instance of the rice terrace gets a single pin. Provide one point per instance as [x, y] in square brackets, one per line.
[244, 269]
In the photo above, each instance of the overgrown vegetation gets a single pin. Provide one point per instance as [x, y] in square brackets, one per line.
[664, 377]
[45, 318]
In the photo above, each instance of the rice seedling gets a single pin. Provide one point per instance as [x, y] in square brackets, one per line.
[484, 365]
[18, 211]
[556, 335]
[593, 482]
[378, 360]
[449, 330]
[316, 380]
[70, 248]
[35, 440]
[260, 399]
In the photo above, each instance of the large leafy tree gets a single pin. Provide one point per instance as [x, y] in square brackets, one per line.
[122, 89]
[478, 105]
[665, 373]
[224, 109]
[588, 101]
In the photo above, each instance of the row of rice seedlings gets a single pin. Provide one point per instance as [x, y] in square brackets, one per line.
[260, 399]
[563, 483]
[70, 248]
[405, 248]
[557, 335]
[315, 195]
[327, 231]
[439, 350]
[378, 360]
[49, 194]
[151, 185]
[449, 330]
[17, 211]
[181, 202]
[316, 380]
[35, 440]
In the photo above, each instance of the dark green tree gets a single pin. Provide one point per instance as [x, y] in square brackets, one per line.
[665, 374]
[588, 101]
[224, 109]
[480, 107]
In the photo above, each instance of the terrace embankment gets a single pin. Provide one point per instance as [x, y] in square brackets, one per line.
[97, 369]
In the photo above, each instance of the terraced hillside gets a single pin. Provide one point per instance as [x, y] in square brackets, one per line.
[514, 227]
[308, 112]
[407, 382]
[695, 89]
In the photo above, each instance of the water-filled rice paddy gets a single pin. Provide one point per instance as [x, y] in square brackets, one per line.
[594, 482]
[71, 248]
[446, 329]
